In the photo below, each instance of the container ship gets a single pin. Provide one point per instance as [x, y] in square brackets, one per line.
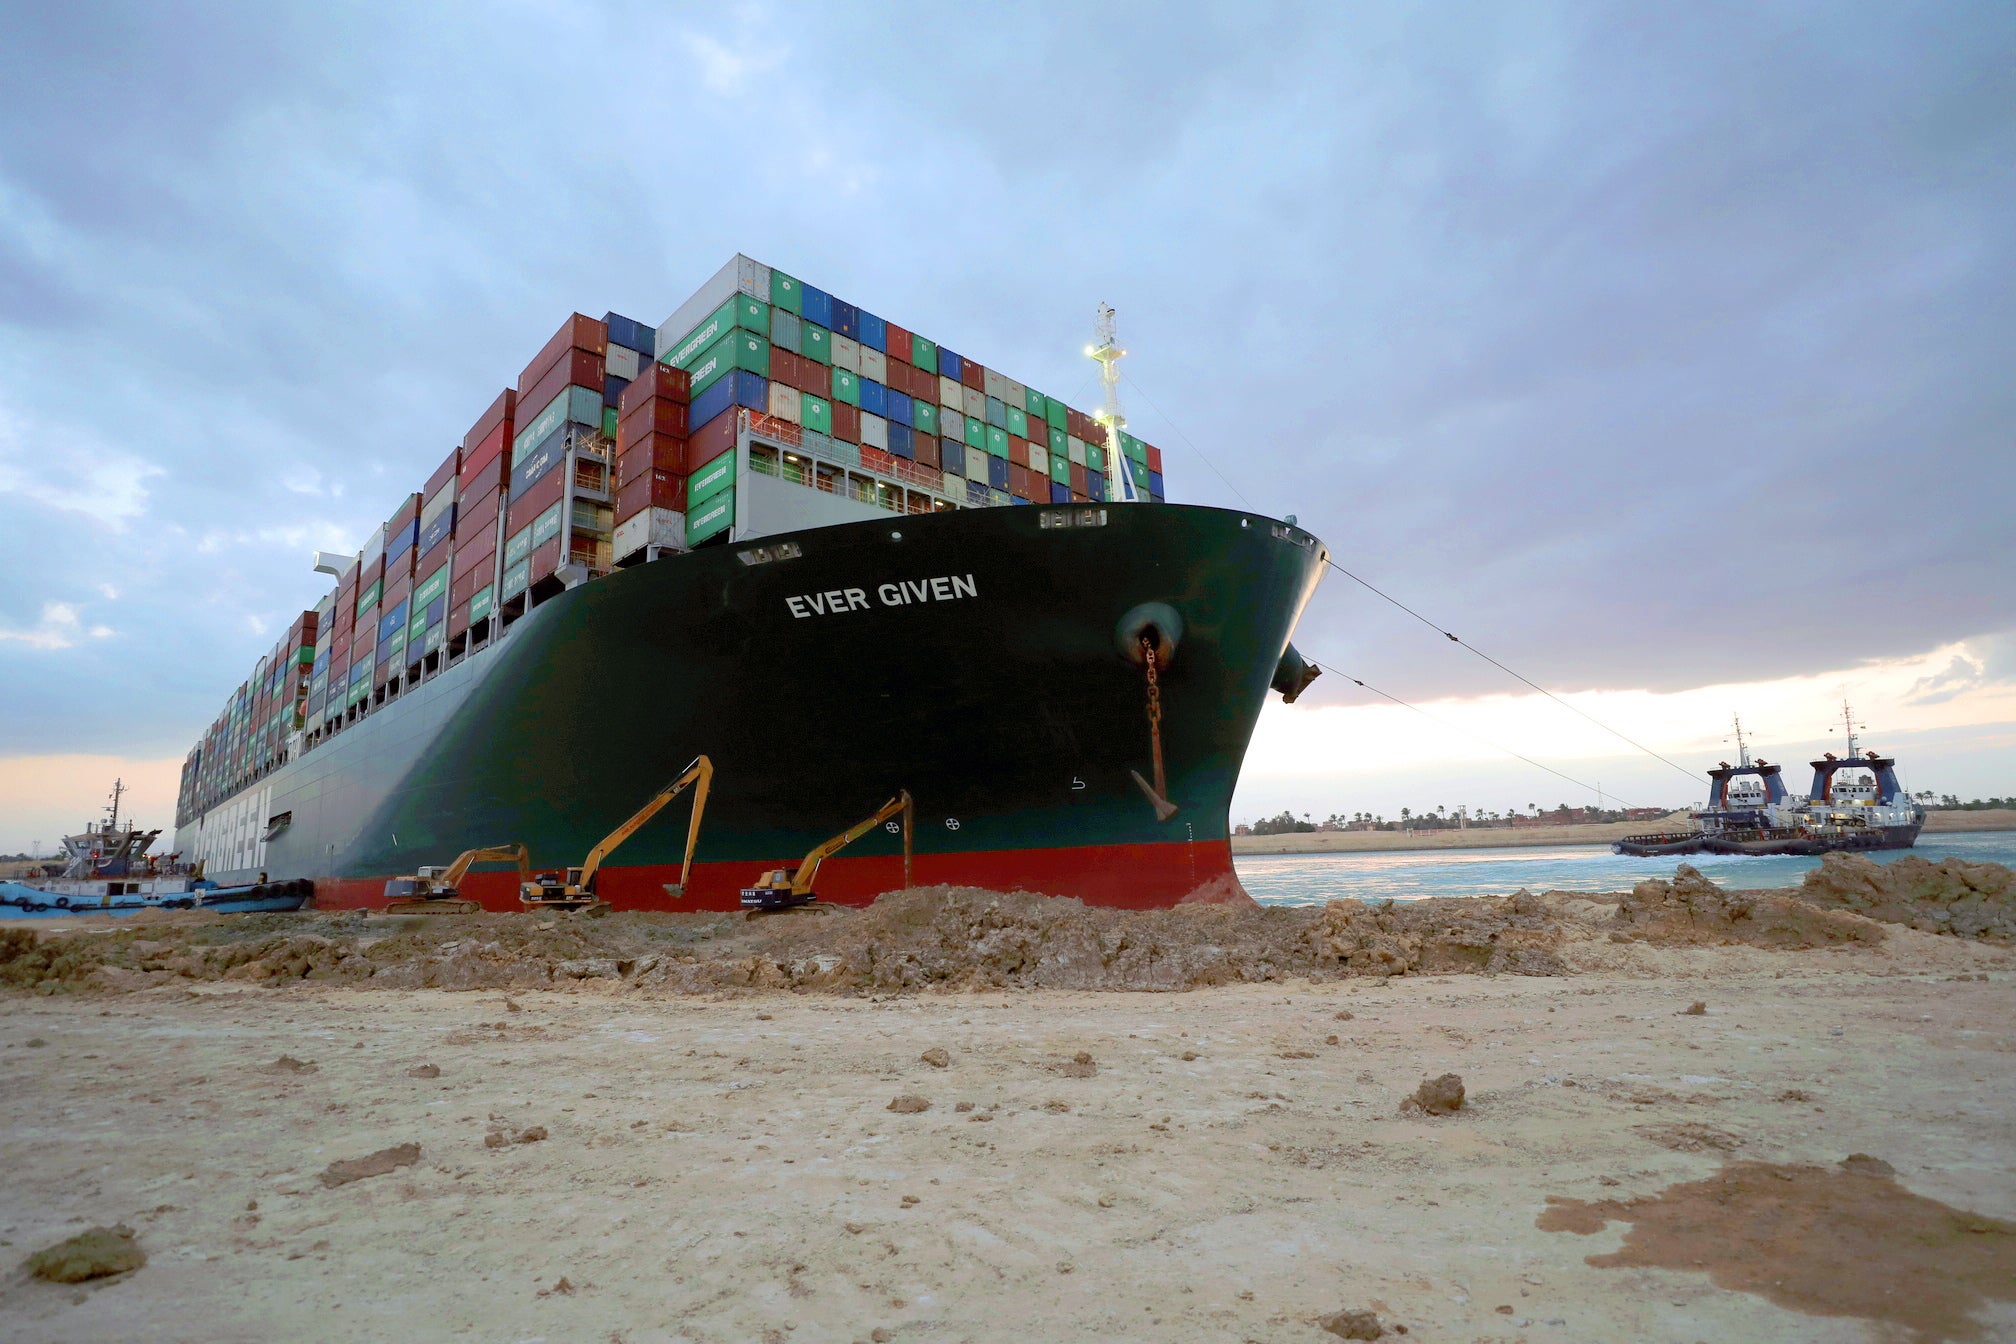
[833, 556]
[1855, 803]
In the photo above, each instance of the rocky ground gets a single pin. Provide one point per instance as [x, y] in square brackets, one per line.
[1686, 1114]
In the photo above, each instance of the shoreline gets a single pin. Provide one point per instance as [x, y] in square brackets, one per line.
[1534, 837]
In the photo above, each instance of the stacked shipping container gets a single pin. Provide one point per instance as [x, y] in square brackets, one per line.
[620, 441]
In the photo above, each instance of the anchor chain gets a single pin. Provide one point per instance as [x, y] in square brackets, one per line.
[1154, 711]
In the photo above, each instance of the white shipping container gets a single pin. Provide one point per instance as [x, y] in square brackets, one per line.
[1018, 395]
[874, 364]
[952, 423]
[740, 275]
[1039, 462]
[621, 362]
[976, 465]
[785, 403]
[975, 402]
[651, 527]
[374, 549]
[846, 354]
[1074, 448]
[874, 431]
[950, 393]
[438, 505]
[993, 384]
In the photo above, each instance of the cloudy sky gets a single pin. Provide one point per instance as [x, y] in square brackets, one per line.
[1662, 352]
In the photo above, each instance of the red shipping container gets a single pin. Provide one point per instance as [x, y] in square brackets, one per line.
[972, 375]
[846, 422]
[1077, 479]
[655, 381]
[876, 460]
[576, 333]
[898, 345]
[373, 572]
[659, 453]
[444, 473]
[579, 369]
[925, 446]
[499, 413]
[545, 560]
[1018, 480]
[714, 438]
[1018, 450]
[538, 497]
[477, 559]
[409, 509]
[485, 465]
[458, 620]
[468, 585]
[657, 416]
[478, 519]
[652, 490]
[1154, 457]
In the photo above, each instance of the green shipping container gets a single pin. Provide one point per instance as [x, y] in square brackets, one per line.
[1053, 411]
[924, 414]
[1018, 422]
[547, 525]
[369, 597]
[710, 480]
[1060, 442]
[720, 511]
[395, 648]
[997, 440]
[515, 578]
[815, 342]
[976, 433]
[846, 387]
[1060, 467]
[480, 604]
[784, 331]
[431, 587]
[1139, 471]
[578, 404]
[518, 547]
[1036, 401]
[737, 350]
[608, 422]
[815, 413]
[740, 311]
[923, 354]
[786, 293]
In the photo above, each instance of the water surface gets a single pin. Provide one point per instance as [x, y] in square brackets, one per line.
[1411, 875]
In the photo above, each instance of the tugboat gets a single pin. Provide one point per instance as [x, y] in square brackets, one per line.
[108, 871]
[1855, 803]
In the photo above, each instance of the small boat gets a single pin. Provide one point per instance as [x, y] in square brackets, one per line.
[107, 871]
[1855, 803]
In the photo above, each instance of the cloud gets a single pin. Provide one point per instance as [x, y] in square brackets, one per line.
[60, 628]
[1961, 675]
[730, 69]
[57, 467]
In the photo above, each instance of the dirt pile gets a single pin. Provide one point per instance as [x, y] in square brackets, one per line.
[1517, 935]
[1692, 910]
[1969, 900]
[99, 1253]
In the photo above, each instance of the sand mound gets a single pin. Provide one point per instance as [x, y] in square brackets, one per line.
[96, 1254]
[1970, 900]
[1692, 910]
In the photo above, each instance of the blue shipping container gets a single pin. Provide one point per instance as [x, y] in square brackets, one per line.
[629, 333]
[976, 493]
[874, 332]
[899, 408]
[438, 531]
[997, 414]
[817, 306]
[949, 364]
[1155, 484]
[612, 389]
[874, 397]
[393, 620]
[997, 472]
[1059, 493]
[846, 320]
[953, 464]
[538, 462]
[1095, 484]
[435, 611]
[902, 440]
[736, 388]
[896, 449]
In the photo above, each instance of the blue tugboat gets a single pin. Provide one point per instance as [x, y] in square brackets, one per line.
[107, 871]
[1855, 803]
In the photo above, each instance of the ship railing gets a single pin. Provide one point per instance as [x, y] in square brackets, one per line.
[838, 452]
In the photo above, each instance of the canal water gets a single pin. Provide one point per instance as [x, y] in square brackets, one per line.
[1412, 875]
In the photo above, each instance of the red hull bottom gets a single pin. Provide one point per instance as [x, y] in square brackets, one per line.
[1130, 877]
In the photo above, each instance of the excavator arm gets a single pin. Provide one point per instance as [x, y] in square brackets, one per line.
[700, 772]
[808, 868]
[452, 876]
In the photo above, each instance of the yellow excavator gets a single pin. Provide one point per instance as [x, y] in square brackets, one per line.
[574, 889]
[784, 888]
[437, 891]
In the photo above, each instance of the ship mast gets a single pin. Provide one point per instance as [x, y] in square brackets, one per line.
[1106, 349]
[1848, 722]
[118, 787]
[1742, 748]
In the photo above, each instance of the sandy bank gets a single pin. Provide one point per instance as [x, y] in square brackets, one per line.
[1354, 842]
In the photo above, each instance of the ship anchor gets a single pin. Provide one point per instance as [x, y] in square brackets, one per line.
[1158, 792]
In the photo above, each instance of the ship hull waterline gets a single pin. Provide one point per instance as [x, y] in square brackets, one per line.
[974, 658]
